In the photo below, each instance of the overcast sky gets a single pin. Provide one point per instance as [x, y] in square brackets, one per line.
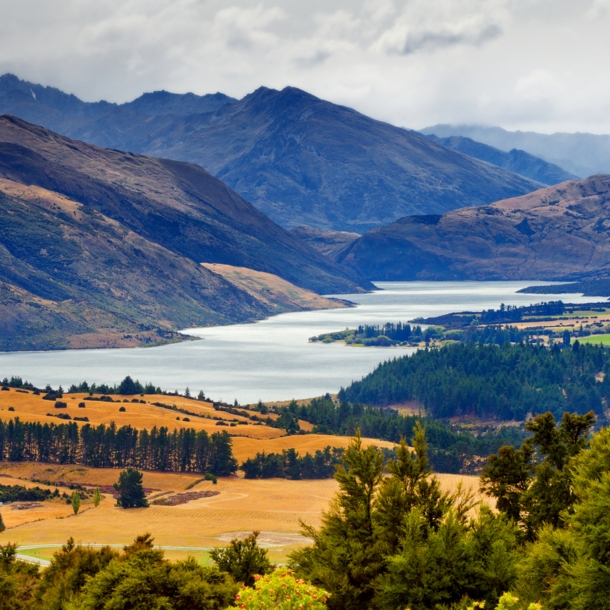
[539, 65]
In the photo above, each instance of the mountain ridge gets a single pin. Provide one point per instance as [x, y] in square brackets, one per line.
[557, 233]
[299, 159]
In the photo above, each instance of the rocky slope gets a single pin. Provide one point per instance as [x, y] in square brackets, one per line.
[325, 242]
[557, 233]
[514, 160]
[176, 205]
[299, 159]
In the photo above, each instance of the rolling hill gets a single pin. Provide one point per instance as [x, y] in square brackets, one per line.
[557, 233]
[297, 158]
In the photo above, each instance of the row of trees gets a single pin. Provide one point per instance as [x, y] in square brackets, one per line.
[290, 465]
[184, 450]
[490, 381]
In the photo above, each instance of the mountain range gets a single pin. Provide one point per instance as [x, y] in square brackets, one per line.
[557, 233]
[97, 245]
[514, 160]
[581, 154]
[297, 158]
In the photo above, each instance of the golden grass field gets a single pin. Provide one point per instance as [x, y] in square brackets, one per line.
[248, 439]
[273, 506]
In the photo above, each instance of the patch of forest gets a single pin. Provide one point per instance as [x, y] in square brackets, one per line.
[489, 381]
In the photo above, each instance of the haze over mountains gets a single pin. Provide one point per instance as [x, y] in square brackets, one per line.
[517, 161]
[106, 239]
[557, 233]
[299, 159]
[582, 154]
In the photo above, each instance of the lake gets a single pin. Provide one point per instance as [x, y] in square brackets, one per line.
[272, 359]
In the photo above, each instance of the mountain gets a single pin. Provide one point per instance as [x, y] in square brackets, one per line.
[73, 277]
[514, 160]
[557, 233]
[325, 242]
[100, 248]
[581, 154]
[297, 158]
[177, 205]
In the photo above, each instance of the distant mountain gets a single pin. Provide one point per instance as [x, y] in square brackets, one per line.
[325, 242]
[299, 159]
[557, 233]
[582, 154]
[517, 161]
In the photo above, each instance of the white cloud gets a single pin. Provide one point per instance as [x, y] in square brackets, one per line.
[532, 64]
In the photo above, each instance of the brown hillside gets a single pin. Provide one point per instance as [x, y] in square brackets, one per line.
[176, 205]
[556, 233]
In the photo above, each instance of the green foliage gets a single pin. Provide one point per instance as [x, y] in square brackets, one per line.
[280, 590]
[532, 484]
[210, 477]
[143, 579]
[569, 566]
[505, 382]
[242, 559]
[70, 568]
[19, 493]
[131, 490]
[97, 497]
[18, 580]
[2, 526]
[398, 541]
[449, 448]
[290, 465]
[76, 500]
[184, 450]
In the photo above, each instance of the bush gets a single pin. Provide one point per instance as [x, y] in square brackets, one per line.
[281, 591]
[81, 405]
[210, 477]
[122, 409]
[11, 408]
[60, 405]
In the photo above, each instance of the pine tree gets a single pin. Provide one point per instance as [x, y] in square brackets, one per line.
[131, 490]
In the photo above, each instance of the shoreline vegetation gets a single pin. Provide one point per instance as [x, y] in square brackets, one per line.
[543, 324]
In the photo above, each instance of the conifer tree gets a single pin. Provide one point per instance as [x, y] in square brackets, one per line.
[131, 490]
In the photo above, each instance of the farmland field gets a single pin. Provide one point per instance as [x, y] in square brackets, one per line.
[273, 506]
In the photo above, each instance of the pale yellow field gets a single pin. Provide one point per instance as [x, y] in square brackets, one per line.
[273, 506]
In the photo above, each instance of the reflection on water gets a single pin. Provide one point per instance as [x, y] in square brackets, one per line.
[272, 360]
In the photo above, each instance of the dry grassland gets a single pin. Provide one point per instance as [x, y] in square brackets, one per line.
[248, 439]
[273, 506]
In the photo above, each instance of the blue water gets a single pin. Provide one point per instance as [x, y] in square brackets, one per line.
[272, 359]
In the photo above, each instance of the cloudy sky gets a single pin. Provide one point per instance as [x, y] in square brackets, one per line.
[538, 65]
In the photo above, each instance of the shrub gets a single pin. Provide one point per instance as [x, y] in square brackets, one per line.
[210, 477]
[11, 408]
[122, 409]
[81, 405]
[281, 591]
[60, 405]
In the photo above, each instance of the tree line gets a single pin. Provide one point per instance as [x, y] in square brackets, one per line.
[184, 450]
[290, 465]
[451, 449]
[503, 382]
